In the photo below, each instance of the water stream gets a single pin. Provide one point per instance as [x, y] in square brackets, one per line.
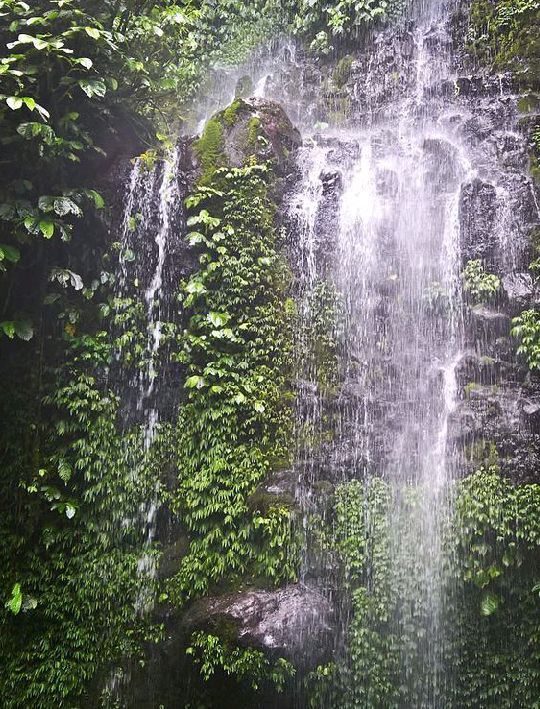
[377, 220]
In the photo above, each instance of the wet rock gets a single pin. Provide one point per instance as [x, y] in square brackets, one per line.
[387, 183]
[510, 149]
[531, 414]
[488, 322]
[172, 556]
[258, 127]
[519, 290]
[295, 622]
[478, 369]
[464, 424]
[440, 164]
[244, 87]
[331, 182]
[477, 213]
[277, 491]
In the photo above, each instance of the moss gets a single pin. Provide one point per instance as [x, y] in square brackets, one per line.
[253, 127]
[528, 103]
[534, 169]
[534, 238]
[225, 628]
[262, 500]
[342, 71]
[339, 109]
[209, 150]
[469, 388]
[230, 113]
[506, 34]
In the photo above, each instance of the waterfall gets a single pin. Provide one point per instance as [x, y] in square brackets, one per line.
[145, 319]
[377, 220]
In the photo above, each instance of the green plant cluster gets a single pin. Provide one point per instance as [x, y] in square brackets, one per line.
[72, 545]
[526, 328]
[506, 34]
[246, 665]
[235, 426]
[327, 23]
[367, 675]
[318, 337]
[497, 623]
[490, 597]
[480, 285]
[78, 80]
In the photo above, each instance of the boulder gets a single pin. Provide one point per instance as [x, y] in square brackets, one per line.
[295, 622]
[259, 127]
[248, 130]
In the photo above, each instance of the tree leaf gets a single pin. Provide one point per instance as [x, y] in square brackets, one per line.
[8, 328]
[195, 382]
[9, 253]
[93, 87]
[24, 330]
[14, 102]
[85, 62]
[92, 32]
[15, 602]
[46, 227]
[490, 604]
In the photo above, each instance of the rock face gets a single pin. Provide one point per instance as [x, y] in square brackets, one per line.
[294, 622]
[259, 127]
[477, 218]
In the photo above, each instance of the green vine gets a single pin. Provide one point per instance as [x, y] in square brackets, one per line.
[235, 426]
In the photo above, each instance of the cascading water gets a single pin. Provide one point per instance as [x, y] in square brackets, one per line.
[146, 278]
[378, 218]
[151, 209]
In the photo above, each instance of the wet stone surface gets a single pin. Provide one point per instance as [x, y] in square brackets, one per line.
[295, 622]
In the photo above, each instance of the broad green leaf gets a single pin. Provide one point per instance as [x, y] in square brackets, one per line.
[99, 202]
[93, 87]
[490, 604]
[43, 111]
[8, 328]
[24, 330]
[195, 287]
[46, 227]
[65, 205]
[14, 102]
[15, 602]
[9, 253]
[85, 62]
[195, 382]
[92, 32]
[195, 237]
[217, 319]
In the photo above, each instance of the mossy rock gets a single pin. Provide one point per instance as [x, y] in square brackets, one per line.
[249, 130]
[529, 103]
[278, 490]
[342, 72]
